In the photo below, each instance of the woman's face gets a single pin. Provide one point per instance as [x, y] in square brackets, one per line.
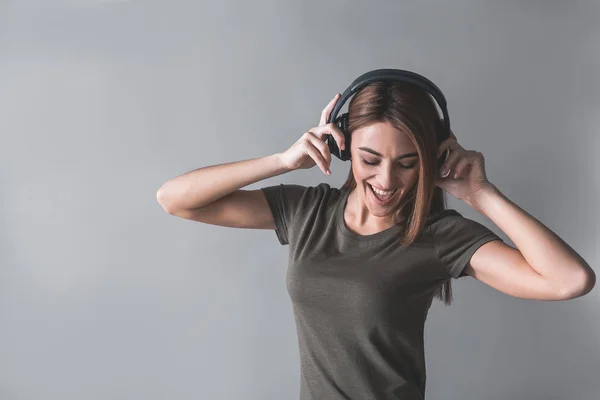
[395, 168]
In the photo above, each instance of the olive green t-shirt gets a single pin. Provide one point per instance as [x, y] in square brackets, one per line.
[360, 301]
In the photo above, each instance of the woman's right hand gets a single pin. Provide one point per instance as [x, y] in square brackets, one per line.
[311, 149]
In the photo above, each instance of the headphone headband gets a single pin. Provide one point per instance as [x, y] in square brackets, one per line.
[395, 75]
[379, 75]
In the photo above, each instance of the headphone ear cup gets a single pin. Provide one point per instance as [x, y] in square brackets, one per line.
[342, 122]
[441, 134]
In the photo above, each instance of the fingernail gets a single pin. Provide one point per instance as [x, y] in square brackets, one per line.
[328, 172]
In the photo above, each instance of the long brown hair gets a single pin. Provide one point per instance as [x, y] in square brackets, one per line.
[411, 110]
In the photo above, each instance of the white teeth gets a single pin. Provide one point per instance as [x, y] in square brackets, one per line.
[381, 192]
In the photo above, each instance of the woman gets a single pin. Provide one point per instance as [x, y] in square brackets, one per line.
[366, 260]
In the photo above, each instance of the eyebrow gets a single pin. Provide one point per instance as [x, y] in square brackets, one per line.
[407, 155]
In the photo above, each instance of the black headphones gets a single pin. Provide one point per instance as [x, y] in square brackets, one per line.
[378, 75]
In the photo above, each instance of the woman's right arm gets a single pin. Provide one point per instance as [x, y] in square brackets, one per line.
[212, 194]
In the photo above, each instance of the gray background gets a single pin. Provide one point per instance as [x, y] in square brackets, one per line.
[103, 295]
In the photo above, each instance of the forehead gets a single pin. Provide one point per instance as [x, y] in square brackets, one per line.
[383, 137]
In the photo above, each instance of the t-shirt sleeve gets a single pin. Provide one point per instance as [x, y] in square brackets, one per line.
[456, 239]
[285, 200]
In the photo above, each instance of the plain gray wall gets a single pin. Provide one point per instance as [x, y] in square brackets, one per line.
[103, 295]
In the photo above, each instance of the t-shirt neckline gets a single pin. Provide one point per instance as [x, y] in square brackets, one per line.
[378, 236]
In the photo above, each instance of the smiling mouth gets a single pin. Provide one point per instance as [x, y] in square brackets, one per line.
[382, 198]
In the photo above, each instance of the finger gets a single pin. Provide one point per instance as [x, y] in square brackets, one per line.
[317, 141]
[331, 129]
[447, 144]
[316, 155]
[446, 154]
[327, 110]
[459, 167]
[451, 161]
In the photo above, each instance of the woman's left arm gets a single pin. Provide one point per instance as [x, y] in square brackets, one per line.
[543, 267]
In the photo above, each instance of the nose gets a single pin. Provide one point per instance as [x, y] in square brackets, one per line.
[387, 179]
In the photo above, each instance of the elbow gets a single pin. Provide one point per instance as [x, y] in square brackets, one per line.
[582, 285]
[589, 281]
[162, 199]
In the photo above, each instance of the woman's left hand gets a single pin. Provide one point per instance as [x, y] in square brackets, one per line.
[466, 169]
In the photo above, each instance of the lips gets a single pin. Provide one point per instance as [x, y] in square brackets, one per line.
[377, 200]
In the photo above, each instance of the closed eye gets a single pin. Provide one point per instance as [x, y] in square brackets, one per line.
[377, 162]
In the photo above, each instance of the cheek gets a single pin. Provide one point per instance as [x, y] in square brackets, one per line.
[360, 172]
[414, 177]
[409, 178]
